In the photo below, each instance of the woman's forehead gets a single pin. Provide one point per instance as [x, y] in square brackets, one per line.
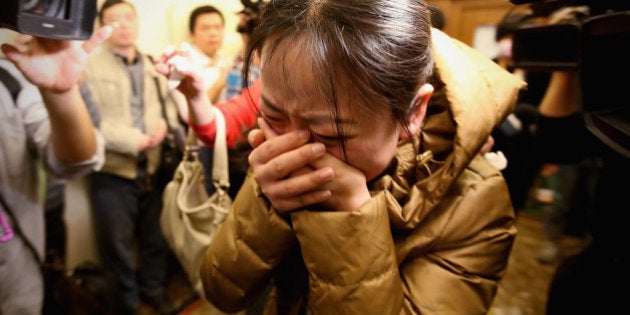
[294, 70]
[289, 62]
[291, 76]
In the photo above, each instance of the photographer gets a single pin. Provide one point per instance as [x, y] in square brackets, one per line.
[46, 122]
[582, 283]
[515, 136]
[562, 134]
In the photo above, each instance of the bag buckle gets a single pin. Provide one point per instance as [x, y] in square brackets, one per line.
[191, 151]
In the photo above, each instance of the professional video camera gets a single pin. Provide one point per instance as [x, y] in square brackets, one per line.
[596, 45]
[57, 19]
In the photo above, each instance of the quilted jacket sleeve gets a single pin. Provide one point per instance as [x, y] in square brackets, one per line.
[454, 263]
[252, 240]
[351, 260]
[449, 264]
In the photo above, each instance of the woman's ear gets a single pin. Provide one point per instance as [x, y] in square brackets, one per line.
[418, 109]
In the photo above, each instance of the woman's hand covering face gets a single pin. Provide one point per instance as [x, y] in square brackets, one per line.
[294, 173]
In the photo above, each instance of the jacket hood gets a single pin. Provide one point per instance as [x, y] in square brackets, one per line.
[472, 96]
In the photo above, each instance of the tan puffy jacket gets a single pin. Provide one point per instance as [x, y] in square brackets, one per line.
[434, 239]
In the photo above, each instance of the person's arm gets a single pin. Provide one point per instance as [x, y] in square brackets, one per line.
[71, 127]
[182, 105]
[561, 96]
[55, 66]
[561, 134]
[351, 260]
[214, 92]
[240, 112]
[251, 243]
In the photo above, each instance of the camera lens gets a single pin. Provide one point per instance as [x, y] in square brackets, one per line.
[50, 8]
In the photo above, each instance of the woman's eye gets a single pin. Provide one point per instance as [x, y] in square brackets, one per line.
[269, 119]
[275, 124]
[327, 140]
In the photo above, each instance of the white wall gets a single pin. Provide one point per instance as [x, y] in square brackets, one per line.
[165, 22]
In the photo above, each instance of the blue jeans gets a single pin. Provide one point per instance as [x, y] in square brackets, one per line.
[127, 219]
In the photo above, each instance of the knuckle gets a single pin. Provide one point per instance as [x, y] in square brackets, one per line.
[266, 191]
[257, 174]
[279, 167]
[291, 190]
[251, 159]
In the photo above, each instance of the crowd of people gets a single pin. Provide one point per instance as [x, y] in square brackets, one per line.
[560, 192]
[356, 135]
[46, 121]
[566, 165]
[123, 164]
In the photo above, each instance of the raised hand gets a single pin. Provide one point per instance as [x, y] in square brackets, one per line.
[54, 64]
[177, 66]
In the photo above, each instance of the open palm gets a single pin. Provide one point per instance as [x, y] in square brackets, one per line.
[54, 64]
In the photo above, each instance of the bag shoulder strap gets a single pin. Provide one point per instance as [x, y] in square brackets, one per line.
[12, 84]
[220, 172]
[156, 80]
[162, 104]
[172, 137]
[18, 229]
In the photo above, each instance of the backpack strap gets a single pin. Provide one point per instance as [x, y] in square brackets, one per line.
[17, 228]
[11, 83]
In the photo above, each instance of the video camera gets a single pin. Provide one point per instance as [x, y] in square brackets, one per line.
[596, 45]
[56, 19]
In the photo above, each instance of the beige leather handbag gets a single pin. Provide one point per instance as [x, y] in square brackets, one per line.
[189, 216]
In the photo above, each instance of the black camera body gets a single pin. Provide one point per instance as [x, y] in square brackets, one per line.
[56, 19]
[597, 47]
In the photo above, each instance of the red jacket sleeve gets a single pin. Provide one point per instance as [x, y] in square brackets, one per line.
[240, 114]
